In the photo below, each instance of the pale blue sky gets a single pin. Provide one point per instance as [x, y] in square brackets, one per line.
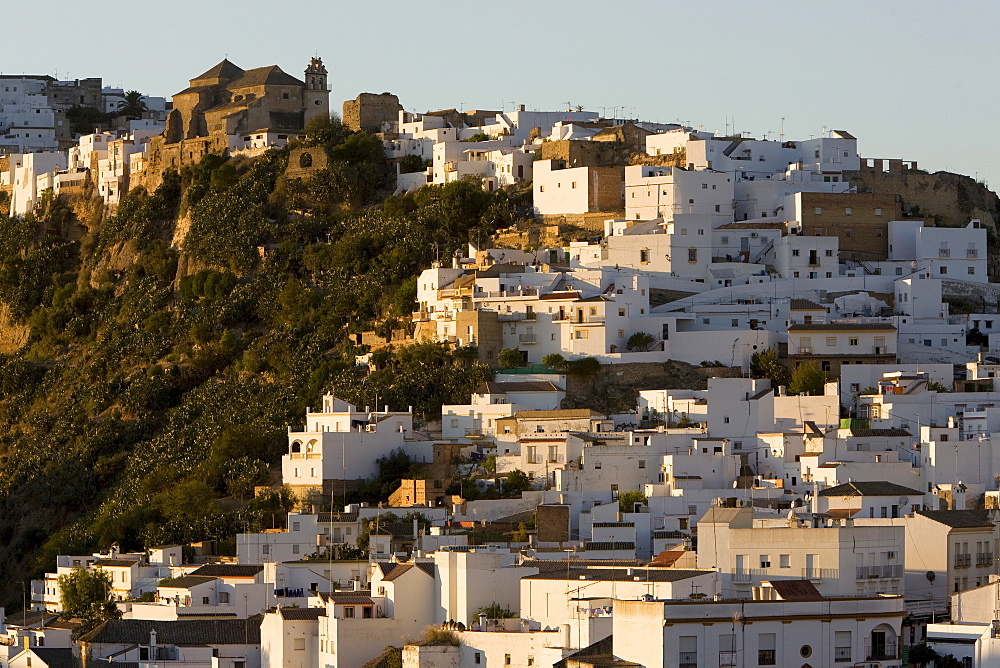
[910, 79]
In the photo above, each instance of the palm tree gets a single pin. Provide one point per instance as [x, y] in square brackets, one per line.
[132, 106]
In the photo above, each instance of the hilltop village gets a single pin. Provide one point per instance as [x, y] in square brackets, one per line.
[822, 488]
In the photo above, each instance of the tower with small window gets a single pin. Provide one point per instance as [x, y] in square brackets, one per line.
[316, 96]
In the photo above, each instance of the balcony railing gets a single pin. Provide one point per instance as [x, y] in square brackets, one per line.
[766, 657]
[879, 572]
[984, 559]
[880, 651]
[526, 338]
[963, 560]
[727, 659]
[820, 574]
[687, 659]
[842, 654]
[972, 253]
[944, 252]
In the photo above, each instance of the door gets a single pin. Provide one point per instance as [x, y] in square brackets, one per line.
[878, 645]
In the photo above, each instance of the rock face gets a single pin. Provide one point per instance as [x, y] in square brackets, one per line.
[950, 200]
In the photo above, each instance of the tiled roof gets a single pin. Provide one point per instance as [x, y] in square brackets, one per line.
[870, 488]
[182, 632]
[224, 70]
[752, 226]
[492, 387]
[302, 614]
[875, 433]
[186, 581]
[121, 563]
[53, 657]
[608, 545]
[638, 574]
[351, 597]
[958, 519]
[796, 590]
[30, 618]
[806, 305]
[569, 294]
[843, 327]
[229, 570]
[270, 75]
[566, 414]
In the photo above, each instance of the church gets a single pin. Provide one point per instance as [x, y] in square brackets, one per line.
[228, 102]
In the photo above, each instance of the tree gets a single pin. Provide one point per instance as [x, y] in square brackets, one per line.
[807, 378]
[628, 499]
[510, 358]
[411, 163]
[517, 481]
[86, 594]
[586, 366]
[922, 654]
[496, 611]
[133, 106]
[640, 342]
[766, 364]
[555, 361]
[521, 535]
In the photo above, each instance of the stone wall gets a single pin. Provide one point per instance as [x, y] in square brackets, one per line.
[304, 162]
[369, 110]
[578, 153]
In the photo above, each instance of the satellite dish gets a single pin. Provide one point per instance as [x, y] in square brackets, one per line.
[930, 576]
[903, 500]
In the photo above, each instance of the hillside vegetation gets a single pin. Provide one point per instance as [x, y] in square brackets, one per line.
[150, 386]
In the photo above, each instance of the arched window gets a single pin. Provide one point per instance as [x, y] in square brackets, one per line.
[306, 160]
[296, 446]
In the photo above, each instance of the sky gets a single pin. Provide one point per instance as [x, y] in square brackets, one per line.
[908, 78]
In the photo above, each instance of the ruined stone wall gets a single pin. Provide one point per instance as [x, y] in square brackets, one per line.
[369, 110]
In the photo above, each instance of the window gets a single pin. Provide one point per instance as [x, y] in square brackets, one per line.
[878, 212]
[224, 597]
[847, 232]
[818, 211]
[299, 644]
[204, 600]
[972, 270]
[265, 549]
[852, 341]
[735, 322]
[642, 463]
[795, 252]
[765, 561]
[831, 340]
[366, 612]
[848, 211]
[687, 652]
[766, 653]
[296, 526]
[349, 612]
[478, 657]
[531, 660]
[944, 270]
[692, 254]
[784, 561]
[573, 185]
[295, 549]
[506, 659]
[725, 419]
[829, 253]
[717, 208]
[644, 255]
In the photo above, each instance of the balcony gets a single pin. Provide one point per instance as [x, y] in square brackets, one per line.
[805, 350]
[820, 574]
[766, 657]
[944, 252]
[842, 654]
[972, 253]
[879, 572]
[526, 338]
[984, 559]
[687, 659]
[881, 651]
[963, 560]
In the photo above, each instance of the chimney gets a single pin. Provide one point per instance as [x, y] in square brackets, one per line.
[356, 584]
[152, 637]
[520, 107]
